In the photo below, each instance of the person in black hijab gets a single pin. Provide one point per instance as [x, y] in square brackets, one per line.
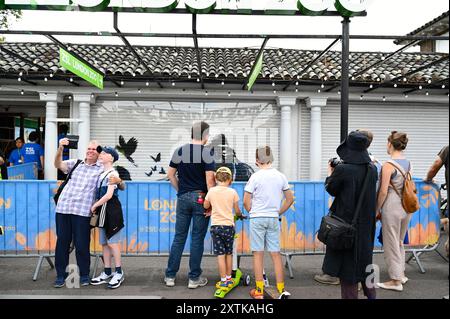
[344, 182]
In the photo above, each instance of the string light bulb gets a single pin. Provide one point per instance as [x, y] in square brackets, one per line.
[147, 83]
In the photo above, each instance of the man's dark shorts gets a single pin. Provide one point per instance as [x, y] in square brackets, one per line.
[223, 238]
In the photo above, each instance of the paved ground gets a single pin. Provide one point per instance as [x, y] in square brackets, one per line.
[144, 278]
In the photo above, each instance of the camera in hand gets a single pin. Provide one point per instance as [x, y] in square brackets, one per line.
[335, 161]
[73, 141]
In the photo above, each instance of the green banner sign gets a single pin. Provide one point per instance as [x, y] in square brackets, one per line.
[256, 71]
[71, 63]
[272, 7]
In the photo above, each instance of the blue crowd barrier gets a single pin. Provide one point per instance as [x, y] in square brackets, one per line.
[27, 216]
[28, 171]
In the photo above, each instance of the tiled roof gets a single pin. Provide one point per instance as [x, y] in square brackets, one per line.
[437, 26]
[219, 63]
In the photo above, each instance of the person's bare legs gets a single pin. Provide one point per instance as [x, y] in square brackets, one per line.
[115, 250]
[229, 262]
[258, 265]
[221, 261]
[278, 265]
[106, 256]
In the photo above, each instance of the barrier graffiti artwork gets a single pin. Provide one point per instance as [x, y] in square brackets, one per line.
[27, 216]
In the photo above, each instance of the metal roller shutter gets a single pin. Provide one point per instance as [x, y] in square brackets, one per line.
[426, 125]
[160, 127]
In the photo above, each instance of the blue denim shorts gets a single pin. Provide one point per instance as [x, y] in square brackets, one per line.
[265, 234]
[103, 240]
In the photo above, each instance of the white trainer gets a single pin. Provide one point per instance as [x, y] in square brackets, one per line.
[170, 282]
[116, 280]
[102, 279]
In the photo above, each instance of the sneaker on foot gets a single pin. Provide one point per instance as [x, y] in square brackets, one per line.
[256, 294]
[85, 280]
[59, 282]
[116, 280]
[199, 282]
[327, 279]
[102, 279]
[225, 285]
[284, 295]
[170, 282]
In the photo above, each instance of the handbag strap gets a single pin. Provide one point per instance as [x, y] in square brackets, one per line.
[71, 171]
[361, 196]
[404, 174]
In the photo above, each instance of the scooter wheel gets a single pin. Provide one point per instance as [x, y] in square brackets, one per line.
[247, 280]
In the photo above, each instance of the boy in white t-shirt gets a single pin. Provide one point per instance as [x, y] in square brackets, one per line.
[263, 197]
[223, 200]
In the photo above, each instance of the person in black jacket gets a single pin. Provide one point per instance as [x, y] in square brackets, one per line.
[345, 182]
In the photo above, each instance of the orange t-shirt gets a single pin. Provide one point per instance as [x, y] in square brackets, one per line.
[222, 200]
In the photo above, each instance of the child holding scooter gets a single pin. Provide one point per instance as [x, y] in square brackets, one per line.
[223, 199]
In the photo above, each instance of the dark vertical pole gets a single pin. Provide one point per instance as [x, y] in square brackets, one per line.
[345, 77]
[22, 126]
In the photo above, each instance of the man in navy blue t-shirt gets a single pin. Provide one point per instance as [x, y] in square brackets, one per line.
[195, 166]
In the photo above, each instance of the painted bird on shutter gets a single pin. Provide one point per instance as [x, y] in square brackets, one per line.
[127, 148]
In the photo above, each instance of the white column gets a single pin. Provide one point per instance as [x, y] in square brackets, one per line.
[315, 143]
[51, 133]
[286, 104]
[84, 102]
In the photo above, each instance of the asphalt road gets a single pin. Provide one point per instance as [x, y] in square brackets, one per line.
[144, 279]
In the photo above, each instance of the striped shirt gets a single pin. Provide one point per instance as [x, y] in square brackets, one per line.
[79, 194]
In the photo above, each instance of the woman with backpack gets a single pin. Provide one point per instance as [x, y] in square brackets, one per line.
[391, 210]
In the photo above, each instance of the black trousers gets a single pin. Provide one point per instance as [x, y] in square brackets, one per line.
[350, 291]
[78, 229]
